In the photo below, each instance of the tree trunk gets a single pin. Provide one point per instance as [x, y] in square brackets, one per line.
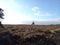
[1, 26]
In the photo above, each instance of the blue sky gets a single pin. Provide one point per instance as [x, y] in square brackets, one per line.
[18, 11]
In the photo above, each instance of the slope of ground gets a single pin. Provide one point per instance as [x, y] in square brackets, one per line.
[27, 34]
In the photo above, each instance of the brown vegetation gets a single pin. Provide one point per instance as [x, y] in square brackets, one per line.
[30, 35]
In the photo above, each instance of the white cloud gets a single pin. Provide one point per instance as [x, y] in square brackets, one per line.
[37, 12]
[35, 9]
[51, 19]
[44, 21]
[14, 18]
[11, 16]
[49, 14]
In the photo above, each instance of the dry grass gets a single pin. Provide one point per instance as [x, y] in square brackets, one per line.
[28, 31]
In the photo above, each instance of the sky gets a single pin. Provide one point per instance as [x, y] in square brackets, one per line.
[27, 11]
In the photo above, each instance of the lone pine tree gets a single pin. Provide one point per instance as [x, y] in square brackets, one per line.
[1, 17]
[33, 23]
